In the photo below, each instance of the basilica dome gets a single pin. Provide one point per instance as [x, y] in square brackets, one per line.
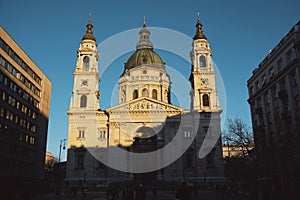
[143, 56]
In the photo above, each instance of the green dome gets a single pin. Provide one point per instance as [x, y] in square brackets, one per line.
[143, 56]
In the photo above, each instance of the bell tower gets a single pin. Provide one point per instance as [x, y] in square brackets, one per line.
[86, 79]
[84, 105]
[202, 77]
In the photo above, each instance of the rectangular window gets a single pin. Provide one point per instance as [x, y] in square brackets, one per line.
[2, 61]
[16, 119]
[2, 112]
[33, 128]
[3, 96]
[187, 133]
[32, 140]
[24, 109]
[5, 81]
[257, 86]
[33, 115]
[102, 134]
[289, 56]
[293, 79]
[267, 96]
[263, 80]
[279, 65]
[81, 133]
[271, 73]
[11, 101]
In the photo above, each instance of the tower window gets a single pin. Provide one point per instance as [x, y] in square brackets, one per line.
[187, 134]
[154, 94]
[83, 99]
[202, 61]
[145, 93]
[86, 62]
[135, 94]
[205, 100]
[102, 134]
[81, 134]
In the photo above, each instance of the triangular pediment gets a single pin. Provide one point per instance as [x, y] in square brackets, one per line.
[145, 104]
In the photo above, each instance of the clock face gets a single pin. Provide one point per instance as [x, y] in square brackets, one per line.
[204, 81]
[85, 82]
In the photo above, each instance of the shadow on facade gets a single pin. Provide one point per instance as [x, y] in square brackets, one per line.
[87, 171]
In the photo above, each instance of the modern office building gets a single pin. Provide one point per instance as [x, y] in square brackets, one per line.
[24, 112]
[144, 120]
[274, 98]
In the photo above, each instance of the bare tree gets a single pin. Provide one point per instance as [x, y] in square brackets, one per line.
[239, 138]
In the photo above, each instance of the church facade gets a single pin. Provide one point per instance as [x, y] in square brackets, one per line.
[144, 120]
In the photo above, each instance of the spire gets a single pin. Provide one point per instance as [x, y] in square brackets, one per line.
[89, 35]
[199, 33]
[144, 42]
[144, 21]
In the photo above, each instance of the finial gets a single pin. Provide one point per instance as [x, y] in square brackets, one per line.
[199, 32]
[89, 30]
[144, 21]
[90, 17]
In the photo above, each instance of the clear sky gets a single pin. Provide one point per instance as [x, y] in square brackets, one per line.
[240, 33]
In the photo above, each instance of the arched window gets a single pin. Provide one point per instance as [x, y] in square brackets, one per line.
[83, 99]
[154, 94]
[202, 60]
[166, 96]
[205, 100]
[86, 62]
[135, 94]
[145, 93]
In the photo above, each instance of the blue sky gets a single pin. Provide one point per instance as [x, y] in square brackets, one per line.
[240, 33]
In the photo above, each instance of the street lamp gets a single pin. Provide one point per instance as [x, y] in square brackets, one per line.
[63, 146]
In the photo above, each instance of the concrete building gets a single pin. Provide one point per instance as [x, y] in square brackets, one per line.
[144, 120]
[24, 112]
[274, 98]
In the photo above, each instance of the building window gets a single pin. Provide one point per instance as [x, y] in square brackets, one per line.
[257, 85]
[145, 93]
[187, 133]
[271, 72]
[32, 140]
[102, 134]
[263, 80]
[293, 79]
[267, 96]
[205, 100]
[83, 99]
[202, 60]
[86, 62]
[135, 94]
[2, 112]
[154, 94]
[166, 95]
[279, 65]
[288, 56]
[81, 133]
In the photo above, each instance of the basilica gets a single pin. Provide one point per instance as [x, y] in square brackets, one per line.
[144, 137]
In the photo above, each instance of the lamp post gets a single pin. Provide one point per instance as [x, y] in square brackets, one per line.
[62, 144]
